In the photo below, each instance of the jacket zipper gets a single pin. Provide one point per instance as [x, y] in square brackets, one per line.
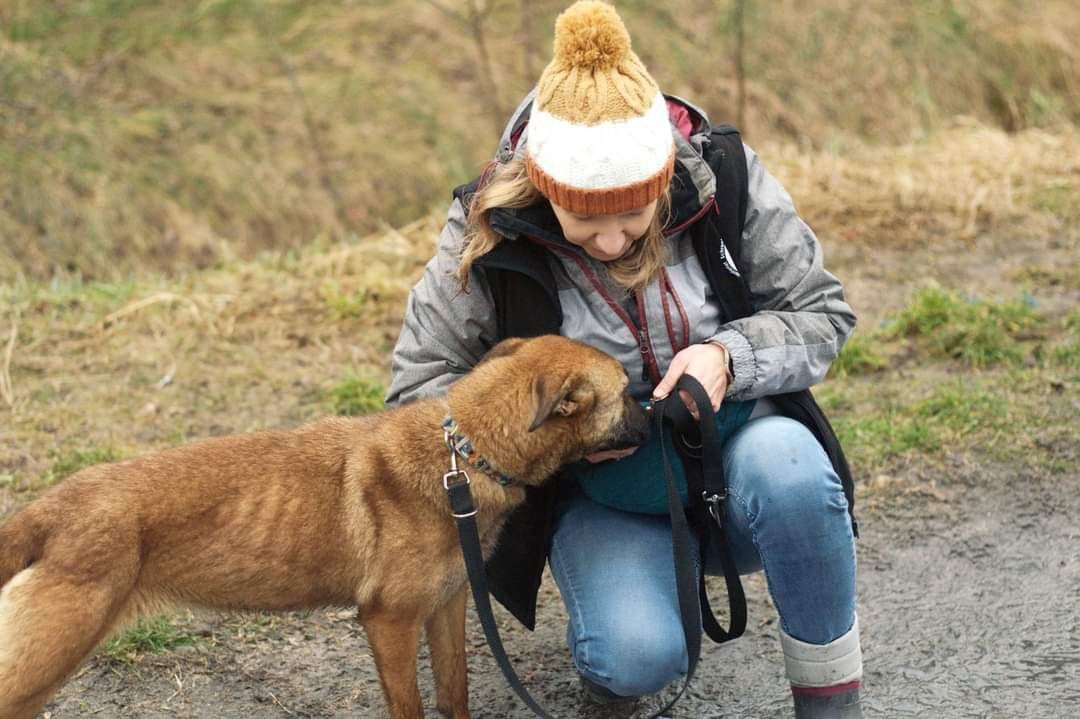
[709, 204]
[646, 354]
[650, 370]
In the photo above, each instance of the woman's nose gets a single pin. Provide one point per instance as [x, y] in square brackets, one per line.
[609, 242]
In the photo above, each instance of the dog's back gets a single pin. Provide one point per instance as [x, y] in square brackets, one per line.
[209, 524]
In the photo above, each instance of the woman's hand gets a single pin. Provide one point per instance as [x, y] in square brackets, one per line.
[708, 364]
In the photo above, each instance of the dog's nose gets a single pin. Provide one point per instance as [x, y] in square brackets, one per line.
[642, 421]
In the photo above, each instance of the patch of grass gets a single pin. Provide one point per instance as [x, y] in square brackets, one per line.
[957, 410]
[1046, 277]
[149, 636]
[356, 395]
[860, 355]
[832, 397]
[70, 462]
[343, 305]
[956, 414]
[1059, 199]
[978, 333]
[70, 293]
[1068, 354]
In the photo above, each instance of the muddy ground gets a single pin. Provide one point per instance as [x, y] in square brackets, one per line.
[969, 592]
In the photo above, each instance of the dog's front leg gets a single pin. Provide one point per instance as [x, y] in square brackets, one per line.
[395, 642]
[446, 638]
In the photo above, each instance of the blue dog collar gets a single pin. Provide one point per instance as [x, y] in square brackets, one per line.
[463, 446]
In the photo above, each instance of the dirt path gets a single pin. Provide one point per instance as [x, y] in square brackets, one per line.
[969, 596]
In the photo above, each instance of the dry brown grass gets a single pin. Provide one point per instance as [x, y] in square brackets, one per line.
[166, 136]
[957, 183]
[132, 367]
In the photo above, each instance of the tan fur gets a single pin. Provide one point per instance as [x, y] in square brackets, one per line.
[337, 512]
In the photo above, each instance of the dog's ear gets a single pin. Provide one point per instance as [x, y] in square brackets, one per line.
[551, 397]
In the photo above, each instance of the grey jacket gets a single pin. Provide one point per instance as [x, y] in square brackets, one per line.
[799, 324]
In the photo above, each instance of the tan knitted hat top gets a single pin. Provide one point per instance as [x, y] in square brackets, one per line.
[599, 139]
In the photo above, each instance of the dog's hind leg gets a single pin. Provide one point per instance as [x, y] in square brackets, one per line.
[446, 638]
[52, 615]
[395, 642]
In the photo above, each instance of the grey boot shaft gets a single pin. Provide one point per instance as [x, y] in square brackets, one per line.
[844, 705]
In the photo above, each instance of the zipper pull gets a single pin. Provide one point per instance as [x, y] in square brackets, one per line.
[643, 345]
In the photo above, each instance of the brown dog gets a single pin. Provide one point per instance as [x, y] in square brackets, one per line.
[337, 512]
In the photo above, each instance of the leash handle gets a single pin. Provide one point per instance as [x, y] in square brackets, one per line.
[712, 494]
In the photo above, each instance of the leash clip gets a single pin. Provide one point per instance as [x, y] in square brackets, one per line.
[712, 504]
[450, 485]
[454, 471]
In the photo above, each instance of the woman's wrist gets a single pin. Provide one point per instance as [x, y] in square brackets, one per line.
[726, 360]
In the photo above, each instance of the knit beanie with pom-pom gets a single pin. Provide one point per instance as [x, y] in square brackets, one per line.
[599, 140]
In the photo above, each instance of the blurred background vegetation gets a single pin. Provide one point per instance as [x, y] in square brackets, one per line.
[165, 136]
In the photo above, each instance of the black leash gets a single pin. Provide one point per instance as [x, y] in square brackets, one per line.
[705, 480]
[691, 597]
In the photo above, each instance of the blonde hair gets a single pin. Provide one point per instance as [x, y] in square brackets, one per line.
[509, 186]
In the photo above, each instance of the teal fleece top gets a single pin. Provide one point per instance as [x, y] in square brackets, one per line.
[636, 483]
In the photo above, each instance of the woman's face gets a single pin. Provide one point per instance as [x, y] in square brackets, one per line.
[605, 237]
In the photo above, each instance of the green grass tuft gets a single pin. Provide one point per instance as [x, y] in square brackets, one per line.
[1058, 199]
[955, 415]
[68, 463]
[978, 333]
[860, 355]
[1068, 354]
[342, 304]
[356, 395]
[149, 636]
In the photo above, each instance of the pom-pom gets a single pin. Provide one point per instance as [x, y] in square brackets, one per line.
[591, 36]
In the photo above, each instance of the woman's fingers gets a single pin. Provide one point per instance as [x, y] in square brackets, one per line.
[690, 404]
[707, 363]
[675, 371]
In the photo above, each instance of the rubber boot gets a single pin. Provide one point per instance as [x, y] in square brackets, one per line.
[843, 703]
[825, 678]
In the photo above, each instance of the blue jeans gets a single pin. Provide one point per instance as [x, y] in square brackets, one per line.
[786, 513]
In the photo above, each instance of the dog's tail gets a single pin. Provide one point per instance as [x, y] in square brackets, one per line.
[21, 542]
